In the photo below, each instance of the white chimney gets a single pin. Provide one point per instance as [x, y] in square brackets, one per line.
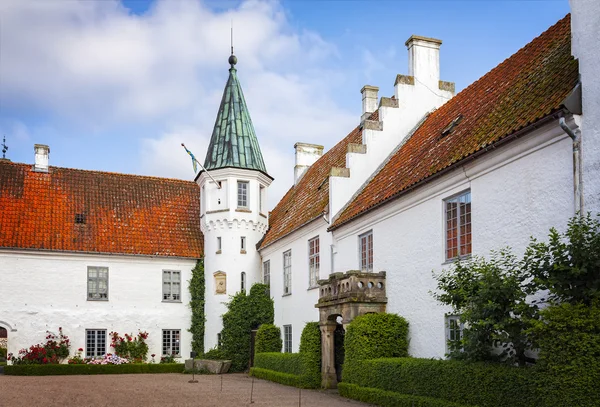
[369, 101]
[42, 153]
[424, 60]
[306, 155]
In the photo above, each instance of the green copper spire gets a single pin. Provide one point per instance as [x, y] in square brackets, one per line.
[233, 142]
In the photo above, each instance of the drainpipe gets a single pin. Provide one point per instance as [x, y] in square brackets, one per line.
[577, 174]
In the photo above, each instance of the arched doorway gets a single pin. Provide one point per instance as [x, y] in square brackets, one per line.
[343, 297]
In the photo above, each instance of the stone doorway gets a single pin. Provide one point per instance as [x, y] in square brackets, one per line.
[343, 297]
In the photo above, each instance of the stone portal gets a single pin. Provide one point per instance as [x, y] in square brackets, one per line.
[343, 297]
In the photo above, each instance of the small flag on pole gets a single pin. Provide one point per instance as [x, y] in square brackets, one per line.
[194, 161]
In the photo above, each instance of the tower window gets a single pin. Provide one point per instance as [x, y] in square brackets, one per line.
[242, 195]
[218, 244]
[243, 244]
[243, 282]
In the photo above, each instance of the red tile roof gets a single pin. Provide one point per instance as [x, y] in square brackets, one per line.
[122, 214]
[309, 199]
[525, 88]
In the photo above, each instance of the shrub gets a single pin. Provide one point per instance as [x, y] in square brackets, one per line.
[390, 398]
[268, 339]
[214, 354]
[48, 370]
[280, 362]
[287, 379]
[77, 359]
[196, 288]
[310, 354]
[130, 347]
[245, 313]
[54, 351]
[167, 359]
[372, 336]
[2, 353]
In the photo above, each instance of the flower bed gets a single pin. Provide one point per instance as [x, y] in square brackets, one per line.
[92, 369]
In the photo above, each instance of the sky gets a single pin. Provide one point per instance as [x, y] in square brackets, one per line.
[117, 86]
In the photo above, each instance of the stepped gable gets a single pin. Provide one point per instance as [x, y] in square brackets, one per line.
[525, 88]
[75, 210]
[309, 199]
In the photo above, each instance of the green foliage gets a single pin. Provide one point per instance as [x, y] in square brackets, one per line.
[569, 264]
[48, 370]
[372, 336]
[197, 288]
[2, 353]
[490, 296]
[287, 379]
[280, 362]
[214, 354]
[310, 354]
[268, 339]
[167, 359]
[245, 313]
[389, 398]
[130, 347]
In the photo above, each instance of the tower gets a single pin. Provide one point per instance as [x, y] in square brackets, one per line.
[234, 215]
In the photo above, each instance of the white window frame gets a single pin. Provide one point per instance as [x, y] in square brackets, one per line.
[453, 325]
[287, 338]
[94, 290]
[365, 251]
[95, 343]
[171, 342]
[314, 261]
[261, 198]
[462, 224]
[169, 293]
[243, 244]
[243, 194]
[243, 281]
[287, 272]
[219, 244]
[267, 272]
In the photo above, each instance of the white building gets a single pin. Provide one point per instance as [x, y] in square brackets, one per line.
[425, 177]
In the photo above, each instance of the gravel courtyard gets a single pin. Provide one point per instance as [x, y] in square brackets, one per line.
[157, 390]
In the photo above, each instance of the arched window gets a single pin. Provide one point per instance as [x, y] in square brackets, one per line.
[243, 281]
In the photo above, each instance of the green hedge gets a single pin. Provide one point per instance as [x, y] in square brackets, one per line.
[268, 339]
[310, 355]
[390, 398]
[50, 370]
[278, 377]
[373, 336]
[2, 353]
[279, 362]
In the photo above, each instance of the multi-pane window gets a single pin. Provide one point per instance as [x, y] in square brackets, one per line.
[287, 272]
[98, 283]
[170, 342]
[365, 245]
[454, 329]
[243, 282]
[261, 199]
[313, 261]
[458, 226]
[267, 272]
[171, 285]
[95, 343]
[242, 194]
[287, 338]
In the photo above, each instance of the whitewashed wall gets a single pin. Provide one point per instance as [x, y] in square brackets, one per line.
[519, 190]
[42, 291]
[585, 20]
[298, 308]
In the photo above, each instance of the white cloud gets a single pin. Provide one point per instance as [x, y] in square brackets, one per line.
[98, 66]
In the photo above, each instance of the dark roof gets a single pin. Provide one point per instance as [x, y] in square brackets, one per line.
[528, 86]
[309, 199]
[98, 212]
[233, 142]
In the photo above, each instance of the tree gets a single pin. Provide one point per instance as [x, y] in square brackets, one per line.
[491, 298]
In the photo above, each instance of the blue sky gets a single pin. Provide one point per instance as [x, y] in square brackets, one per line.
[117, 86]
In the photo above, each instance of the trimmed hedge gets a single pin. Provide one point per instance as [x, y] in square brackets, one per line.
[310, 354]
[287, 379]
[390, 398]
[480, 384]
[373, 336]
[51, 370]
[268, 339]
[280, 362]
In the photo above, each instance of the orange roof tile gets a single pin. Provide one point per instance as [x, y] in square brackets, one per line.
[117, 213]
[525, 88]
[309, 199]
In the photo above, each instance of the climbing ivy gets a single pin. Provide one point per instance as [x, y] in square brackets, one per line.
[197, 288]
[245, 313]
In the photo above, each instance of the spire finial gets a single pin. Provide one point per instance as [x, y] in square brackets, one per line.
[232, 58]
[4, 147]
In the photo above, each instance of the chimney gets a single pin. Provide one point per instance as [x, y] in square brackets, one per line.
[42, 152]
[424, 60]
[369, 101]
[306, 155]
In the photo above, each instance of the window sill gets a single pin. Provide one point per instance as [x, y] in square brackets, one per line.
[242, 251]
[312, 287]
[173, 301]
[218, 252]
[244, 210]
[217, 211]
[453, 260]
[286, 295]
[98, 299]
[262, 214]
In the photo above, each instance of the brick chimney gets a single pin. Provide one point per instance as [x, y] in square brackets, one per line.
[306, 155]
[42, 153]
[424, 60]
[369, 101]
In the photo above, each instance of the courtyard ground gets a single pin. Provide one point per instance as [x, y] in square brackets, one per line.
[162, 390]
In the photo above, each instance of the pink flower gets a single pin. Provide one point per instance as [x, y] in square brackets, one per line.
[80, 349]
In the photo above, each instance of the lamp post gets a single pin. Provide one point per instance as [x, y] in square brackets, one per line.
[193, 356]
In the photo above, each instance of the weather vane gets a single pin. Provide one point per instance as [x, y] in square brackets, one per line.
[4, 147]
